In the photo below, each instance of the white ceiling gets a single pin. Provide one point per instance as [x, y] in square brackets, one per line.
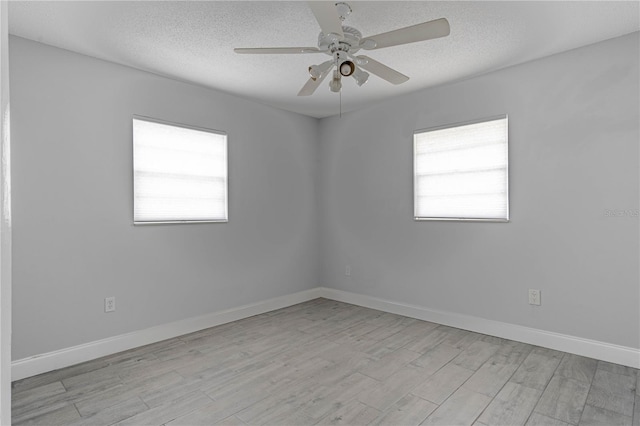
[194, 41]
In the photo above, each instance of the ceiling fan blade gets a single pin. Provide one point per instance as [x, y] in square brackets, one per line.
[311, 85]
[327, 16]
[382, 71]
[420, 32]
[272, 50]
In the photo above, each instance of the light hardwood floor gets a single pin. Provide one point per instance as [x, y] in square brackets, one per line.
[326, 362]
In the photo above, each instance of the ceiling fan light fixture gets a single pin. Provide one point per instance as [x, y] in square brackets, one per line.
[360, 60]
[335, 84]
[316, 71]
[368, 44]
[347, 68]
[312, 73]
[361, 77]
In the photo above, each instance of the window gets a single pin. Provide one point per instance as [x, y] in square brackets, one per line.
[461, 172]
[179, 173]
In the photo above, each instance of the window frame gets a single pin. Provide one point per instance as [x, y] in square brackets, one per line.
[184, 126]
[449, 126]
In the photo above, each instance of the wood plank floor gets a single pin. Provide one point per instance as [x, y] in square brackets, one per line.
[325, 362]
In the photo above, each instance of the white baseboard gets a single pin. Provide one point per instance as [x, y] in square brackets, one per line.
[50, 361]
[576, 345]
[69, 356]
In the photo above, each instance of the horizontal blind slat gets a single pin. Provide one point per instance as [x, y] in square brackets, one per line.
[493, 181]
[488, 206]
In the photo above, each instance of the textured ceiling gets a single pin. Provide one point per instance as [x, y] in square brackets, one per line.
[194, 41]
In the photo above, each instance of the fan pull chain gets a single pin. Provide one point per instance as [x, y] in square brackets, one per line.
[340, 102]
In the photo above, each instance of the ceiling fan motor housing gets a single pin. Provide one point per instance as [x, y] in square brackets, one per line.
[341, 49]
[329, 43]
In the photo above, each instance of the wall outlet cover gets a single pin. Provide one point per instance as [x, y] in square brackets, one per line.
[109, 304]
[534, 297]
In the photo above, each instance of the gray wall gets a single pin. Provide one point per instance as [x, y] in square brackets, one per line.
[74, 241]
[573, 144]
[573, 154]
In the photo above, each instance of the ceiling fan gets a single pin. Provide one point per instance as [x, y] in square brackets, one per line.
[342, 42]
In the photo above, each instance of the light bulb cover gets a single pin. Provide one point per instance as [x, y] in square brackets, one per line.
[361, 60]
[316, 71]
[335, 84]
[347, 68]
[361, 77]
[368, 44]
[313, 72]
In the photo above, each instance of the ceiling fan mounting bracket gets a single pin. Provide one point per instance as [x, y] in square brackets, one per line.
[344, 10]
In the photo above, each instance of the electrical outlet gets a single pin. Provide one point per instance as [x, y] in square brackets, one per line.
[347, 270]
[534, 297]
[109, 304]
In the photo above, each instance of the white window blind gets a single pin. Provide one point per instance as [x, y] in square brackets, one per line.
[461, 172]
[179, 173]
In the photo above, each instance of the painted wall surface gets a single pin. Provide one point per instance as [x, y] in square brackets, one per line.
[5, 223]
[309, 197]
[74, 239]
[573, 147]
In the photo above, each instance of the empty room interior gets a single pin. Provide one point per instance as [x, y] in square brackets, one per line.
[300, 213]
